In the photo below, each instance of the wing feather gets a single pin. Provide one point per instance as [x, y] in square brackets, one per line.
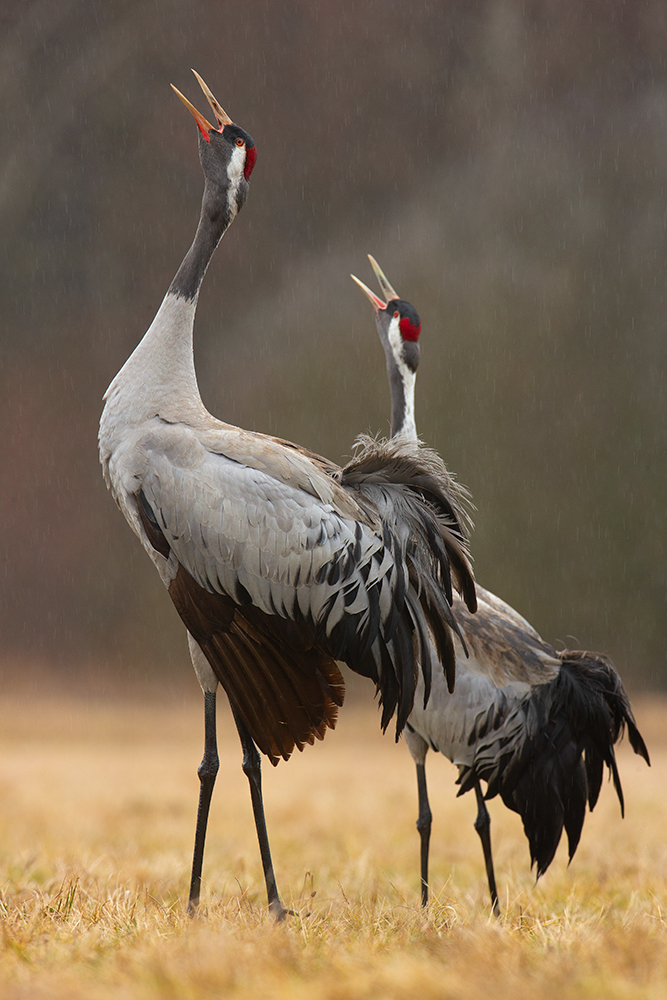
[359, 564]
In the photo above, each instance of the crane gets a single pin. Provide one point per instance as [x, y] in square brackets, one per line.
[276, 566]
[536, 724]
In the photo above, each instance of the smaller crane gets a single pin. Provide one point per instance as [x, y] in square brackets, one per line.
[537, 725]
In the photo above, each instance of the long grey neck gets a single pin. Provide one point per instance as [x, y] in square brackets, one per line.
[402, 393]
[159, 377]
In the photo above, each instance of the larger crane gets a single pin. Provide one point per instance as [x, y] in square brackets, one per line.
[276, 567]
[537, 725]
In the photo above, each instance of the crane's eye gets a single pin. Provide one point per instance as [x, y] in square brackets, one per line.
[240, 142]
[396, 314]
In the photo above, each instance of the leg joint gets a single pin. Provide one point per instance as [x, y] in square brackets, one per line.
[483, 821]
[209, 767]
[251, 761]
[424, 821]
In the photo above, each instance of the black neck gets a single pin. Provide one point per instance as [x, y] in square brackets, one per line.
[214, 220]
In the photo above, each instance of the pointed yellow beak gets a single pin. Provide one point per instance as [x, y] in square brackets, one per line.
[389, 292]
[221, 115]
[377, 303]
[205, 127]
[382, 278]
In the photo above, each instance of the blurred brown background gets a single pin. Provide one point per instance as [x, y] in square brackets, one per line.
[505, 161]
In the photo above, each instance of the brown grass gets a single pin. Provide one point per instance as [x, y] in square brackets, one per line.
[96, 830]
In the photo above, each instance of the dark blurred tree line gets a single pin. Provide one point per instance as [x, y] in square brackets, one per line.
[505, 161]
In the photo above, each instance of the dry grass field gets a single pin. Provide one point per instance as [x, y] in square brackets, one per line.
[96, 826]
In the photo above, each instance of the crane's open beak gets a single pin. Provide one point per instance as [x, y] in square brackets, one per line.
[375, 301]
[205, 126]
[221, 115]
[382, 279]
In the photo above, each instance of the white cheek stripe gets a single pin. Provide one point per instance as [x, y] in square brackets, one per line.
[396, 342]
[235, 169]
[409, 428]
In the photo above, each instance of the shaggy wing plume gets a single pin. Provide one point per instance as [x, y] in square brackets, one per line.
[421, 506]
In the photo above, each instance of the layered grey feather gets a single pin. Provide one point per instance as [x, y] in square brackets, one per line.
[244, 532]
[360, 557]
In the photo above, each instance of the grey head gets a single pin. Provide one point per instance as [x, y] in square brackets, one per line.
[227, 153]
[397, 321]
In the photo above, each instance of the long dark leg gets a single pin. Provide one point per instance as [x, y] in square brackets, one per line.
[207, 771]
[424, 826]
[252, 768]
[483, 827]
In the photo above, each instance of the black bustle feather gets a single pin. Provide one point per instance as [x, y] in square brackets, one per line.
[545, 754]
[422, 645]
[388, 690]
[424, 522]
[373, 623]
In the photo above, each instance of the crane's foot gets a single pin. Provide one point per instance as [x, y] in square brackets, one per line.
[193, 908]
[278, 911]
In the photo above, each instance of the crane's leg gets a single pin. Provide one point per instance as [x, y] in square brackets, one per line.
[252, 768]
[424, 820]
[207, 771]
[483, 827]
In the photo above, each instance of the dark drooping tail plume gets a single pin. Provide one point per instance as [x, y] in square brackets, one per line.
[546, 758]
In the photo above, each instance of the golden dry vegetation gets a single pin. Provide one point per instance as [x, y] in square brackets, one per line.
[96, 828]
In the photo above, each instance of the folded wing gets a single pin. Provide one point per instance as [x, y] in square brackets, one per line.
[278, 570]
